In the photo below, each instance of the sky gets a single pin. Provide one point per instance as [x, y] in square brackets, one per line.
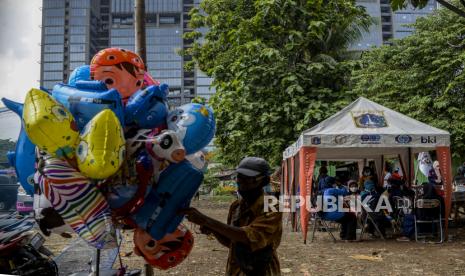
[20, 36]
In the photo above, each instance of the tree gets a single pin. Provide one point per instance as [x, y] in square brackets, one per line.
[422, 75]
[279, 67]
[454, 6]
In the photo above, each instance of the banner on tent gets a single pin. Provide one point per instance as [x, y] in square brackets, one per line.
[307, 165]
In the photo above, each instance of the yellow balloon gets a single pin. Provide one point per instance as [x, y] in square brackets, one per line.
[49, 125]
[101, 148]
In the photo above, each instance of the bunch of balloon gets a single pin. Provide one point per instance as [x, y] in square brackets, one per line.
[106, 152]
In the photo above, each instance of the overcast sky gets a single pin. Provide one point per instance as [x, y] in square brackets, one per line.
[20, 35]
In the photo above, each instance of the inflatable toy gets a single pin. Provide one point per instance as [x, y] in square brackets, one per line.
[125, 193]
[166, 253]
[78, 201]
[120, 69]
[81, 73]
[148, 80]
[23, 159]
[198, 160]
[47, 218]
[165, 146]
[101, 149]
[195, 125]
[86, 99]
[147, 108]
[176, 186]
[49, 125]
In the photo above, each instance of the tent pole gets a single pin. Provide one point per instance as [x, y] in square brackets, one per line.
[410, 166]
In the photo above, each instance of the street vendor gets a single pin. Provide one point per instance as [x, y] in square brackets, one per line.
[252, 234]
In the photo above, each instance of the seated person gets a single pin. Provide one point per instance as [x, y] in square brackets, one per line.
[339, 183]
[347, 220]
[381, 220]
[367, 174]
[324, 179]
[353, 187]
[408, 224]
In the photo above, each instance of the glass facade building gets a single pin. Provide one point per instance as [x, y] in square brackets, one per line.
[74, 30]
[387, 23]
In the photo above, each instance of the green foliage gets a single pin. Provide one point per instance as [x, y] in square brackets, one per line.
[456, 6]
[279, 67]
[422, 75]
[210, 181]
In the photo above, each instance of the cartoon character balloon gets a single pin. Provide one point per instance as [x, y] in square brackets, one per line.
[49, 125]
[147, 108]
[195, 125]
[120, 69]
[166, 253]
[23, 159]
[101, 149]
[81, 73]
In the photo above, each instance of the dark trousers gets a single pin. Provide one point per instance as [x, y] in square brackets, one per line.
[348, 226]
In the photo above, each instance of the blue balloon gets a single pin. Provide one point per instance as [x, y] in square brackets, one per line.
[195, 125]
[147, 108]
[81, 73]
[86, 99]
[24, 157]
[176, 187]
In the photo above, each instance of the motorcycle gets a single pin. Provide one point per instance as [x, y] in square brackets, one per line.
[21, 249]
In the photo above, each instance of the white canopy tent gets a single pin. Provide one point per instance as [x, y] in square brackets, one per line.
[363, 130]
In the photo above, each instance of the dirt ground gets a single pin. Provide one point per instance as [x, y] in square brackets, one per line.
[322, 257]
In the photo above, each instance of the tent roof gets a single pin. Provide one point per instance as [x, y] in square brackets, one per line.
[366, 124]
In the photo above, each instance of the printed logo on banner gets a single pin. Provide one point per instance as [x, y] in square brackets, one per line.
[428, 139]
[403, 139]
[340, 139]
[316, 140]
[369, 119]
[370, 139]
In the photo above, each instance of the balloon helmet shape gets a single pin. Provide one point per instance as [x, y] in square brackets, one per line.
[195, 125]
[166, 253]
[120, 69]
[49, 125]
[101, 149]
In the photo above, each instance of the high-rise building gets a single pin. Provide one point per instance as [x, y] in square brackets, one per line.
[387, 23]
[74, 30]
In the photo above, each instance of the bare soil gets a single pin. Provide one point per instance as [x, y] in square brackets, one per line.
[322, 257]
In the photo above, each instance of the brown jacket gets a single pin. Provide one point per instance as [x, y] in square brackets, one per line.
[262, 229]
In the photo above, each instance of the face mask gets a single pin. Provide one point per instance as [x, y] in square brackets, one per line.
[353, 189]
[251, 195]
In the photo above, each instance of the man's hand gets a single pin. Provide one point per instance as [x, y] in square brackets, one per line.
[193, 215]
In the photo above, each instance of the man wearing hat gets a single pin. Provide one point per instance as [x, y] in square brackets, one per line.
[251, 233]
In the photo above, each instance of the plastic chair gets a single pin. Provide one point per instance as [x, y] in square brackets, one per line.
[428, 204]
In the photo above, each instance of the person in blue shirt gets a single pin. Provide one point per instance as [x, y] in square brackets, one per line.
[348, 220]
